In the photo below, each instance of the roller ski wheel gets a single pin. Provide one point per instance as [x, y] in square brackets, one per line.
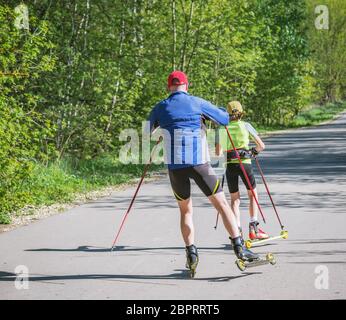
[284, 234]
[192, 268]
[241, 264]
[192, 260]
[248, 244]
[193, 272]
[271, 259]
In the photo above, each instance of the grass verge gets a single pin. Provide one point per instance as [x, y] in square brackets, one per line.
[62, 181]
[309, 117]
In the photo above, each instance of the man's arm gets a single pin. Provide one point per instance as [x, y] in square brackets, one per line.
[215, 114]
[218, 147]
[153, 122]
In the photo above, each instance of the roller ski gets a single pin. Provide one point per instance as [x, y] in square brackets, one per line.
[258, 236]
[192, 260]
[248, 259]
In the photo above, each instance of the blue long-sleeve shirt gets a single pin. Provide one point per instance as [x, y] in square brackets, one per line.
[180, 117]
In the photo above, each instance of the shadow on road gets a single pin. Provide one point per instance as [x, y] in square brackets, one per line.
[319, 241]
[225, 247]
[318, 262]
[179, 275]
[122, 248]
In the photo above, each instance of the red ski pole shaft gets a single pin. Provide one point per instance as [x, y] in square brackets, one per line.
[269, 194]
[245, 174]
[134, 196]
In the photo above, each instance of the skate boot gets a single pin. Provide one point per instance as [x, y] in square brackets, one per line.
[241, 252]
[241, 235]
[192, 259]
[256, 233]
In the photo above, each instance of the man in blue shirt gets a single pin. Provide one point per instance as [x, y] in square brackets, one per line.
[180, 116]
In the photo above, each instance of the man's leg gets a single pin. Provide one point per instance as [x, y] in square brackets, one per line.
[181, 187]
[220, 203]
[188, 233]
[186, 222]
[182, 191]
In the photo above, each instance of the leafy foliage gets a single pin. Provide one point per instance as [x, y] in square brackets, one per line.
[85, 70]
[23, 131]
[328, 52]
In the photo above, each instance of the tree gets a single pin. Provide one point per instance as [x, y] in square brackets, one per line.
[328, 48]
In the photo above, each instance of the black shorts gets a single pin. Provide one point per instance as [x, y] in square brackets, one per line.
[203, 175]
[234, 171]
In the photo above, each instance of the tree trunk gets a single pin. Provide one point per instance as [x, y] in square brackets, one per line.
[188, 23]
[174, 33]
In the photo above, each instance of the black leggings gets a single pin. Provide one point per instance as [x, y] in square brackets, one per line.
[234, 171]
[203, 175]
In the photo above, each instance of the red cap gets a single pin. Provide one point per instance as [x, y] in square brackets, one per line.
[177, 78]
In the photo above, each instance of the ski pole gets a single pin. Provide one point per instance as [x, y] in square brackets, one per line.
[245, 174]
[269, 194]
[135, 195]
[218, 213]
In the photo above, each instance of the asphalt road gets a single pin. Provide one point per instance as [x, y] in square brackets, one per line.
[67, 256]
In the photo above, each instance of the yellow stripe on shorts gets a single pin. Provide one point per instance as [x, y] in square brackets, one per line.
[217, 186]
[178, 197]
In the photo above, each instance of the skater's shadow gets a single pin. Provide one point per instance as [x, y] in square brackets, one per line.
[318, 241]
[317, 262]
[185, 274]
[179, 275]
[93, 249]
[146, 250]
[228, 278]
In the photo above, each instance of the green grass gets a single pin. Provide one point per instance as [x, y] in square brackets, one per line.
[309, 117]
[60, 182]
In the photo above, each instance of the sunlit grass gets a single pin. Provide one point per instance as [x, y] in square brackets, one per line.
[310, 117]
[60, 182]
